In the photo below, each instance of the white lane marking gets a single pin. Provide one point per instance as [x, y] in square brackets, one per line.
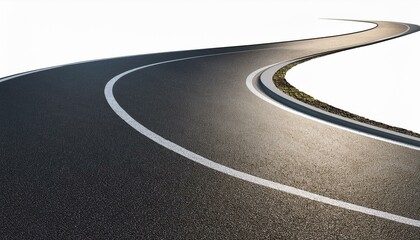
[251, 87]
[216, 166]
[230, 171]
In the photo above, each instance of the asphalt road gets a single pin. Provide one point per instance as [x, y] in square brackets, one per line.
[70, 167]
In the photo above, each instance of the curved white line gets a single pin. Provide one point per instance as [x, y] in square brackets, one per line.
[216, 166]
[250, 84]
[251, 87]
[230, 171]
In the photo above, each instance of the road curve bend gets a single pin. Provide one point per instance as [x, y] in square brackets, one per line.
[267, 86]
[179, 147]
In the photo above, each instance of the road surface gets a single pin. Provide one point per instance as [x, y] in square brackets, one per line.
[176, 146]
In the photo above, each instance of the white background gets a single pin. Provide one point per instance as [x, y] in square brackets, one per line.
[36, 34]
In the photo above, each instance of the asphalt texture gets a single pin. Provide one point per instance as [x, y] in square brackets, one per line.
[71, 168]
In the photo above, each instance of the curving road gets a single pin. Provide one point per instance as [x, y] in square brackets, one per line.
[202, 156]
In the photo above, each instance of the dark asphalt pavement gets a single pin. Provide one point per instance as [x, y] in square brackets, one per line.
[70, 168]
